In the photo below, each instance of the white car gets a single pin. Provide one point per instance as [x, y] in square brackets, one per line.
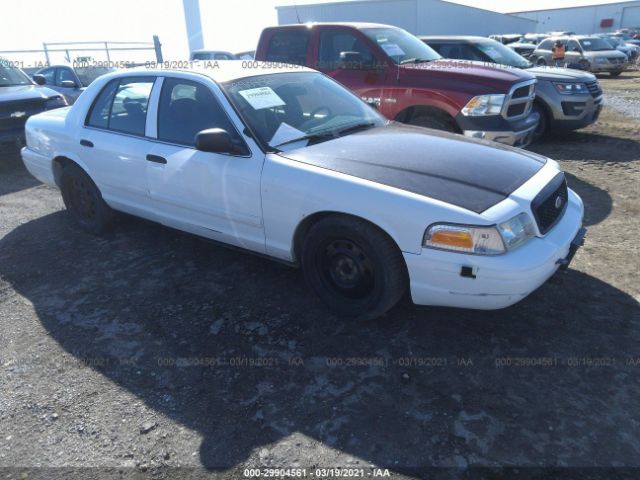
[287, 163]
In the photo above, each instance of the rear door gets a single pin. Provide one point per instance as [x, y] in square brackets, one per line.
[212, 194]
[114, 145]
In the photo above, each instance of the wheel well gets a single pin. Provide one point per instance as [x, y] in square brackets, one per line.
[544, 108]
[410, 113]
[58, 165]
[305, 225]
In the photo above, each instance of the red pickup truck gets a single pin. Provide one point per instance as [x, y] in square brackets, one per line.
[408, 81]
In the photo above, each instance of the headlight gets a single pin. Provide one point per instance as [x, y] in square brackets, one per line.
[517, 231]
[484, 105]
[55, 102]
[480, 240]
[459, 238]
[601, 60]
[570, 88]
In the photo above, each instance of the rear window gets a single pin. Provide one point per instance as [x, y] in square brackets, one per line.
[288, 47]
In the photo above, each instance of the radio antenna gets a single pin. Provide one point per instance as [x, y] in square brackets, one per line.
[295, 4]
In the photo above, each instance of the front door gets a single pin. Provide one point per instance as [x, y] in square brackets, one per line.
[210, 194]
[362, 73]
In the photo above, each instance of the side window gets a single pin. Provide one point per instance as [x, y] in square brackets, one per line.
[459, 51]
[49, 75]
[129, 109]
[332, 43]
[99, 113]
[188, 107]
[65, 74]
[122, 105]
[545, 45]
[572, 46]
[289, 47]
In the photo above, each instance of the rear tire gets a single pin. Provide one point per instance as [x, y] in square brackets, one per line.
[84, 201]
[355, 268]
[614, 74]
[541, 62]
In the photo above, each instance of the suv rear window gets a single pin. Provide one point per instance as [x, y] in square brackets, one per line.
[288, 47]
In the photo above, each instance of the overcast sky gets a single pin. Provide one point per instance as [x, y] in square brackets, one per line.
[228, 24]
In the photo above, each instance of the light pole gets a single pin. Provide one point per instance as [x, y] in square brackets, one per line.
[193, 23]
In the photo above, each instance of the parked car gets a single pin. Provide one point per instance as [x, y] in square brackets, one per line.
[627, 37]
[527, 44]
[212, 55]
[69, 80]
[289, 164]
[588, 52]
[506, 39]
[565, 99]
[408, 82]
[630, 50]
[248, 55]
[20, 98]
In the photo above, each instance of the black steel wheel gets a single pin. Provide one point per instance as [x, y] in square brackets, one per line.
[83, 200]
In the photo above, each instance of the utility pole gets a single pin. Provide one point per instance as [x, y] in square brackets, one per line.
[193, 23]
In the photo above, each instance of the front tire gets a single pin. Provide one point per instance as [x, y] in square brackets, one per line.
[543, 124]
[437, 122]
[355, 268]
[615, 74]
[84, 201]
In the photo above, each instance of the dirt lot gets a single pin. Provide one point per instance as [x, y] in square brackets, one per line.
[150, 348]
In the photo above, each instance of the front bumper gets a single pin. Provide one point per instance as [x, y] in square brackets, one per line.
[15, 135]
[492, 282]
[607, 67]
[516, 133]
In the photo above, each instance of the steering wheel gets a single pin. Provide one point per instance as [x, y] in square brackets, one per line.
[313, 119]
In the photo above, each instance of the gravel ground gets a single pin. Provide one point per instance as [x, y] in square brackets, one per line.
[155, 353]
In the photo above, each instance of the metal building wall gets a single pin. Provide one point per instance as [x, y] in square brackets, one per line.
[420, 17]
[585, 19]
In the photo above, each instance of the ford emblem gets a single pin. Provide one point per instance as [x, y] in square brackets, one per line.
[558, 202]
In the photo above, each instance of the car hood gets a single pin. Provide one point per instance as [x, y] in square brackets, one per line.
[467, 72]
[561, 74]
[25, 92]
[468, 173]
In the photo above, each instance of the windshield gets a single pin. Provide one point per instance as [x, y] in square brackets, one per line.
[594, 44]
[613, 41]
[10, 76]
[400, 45]
[503, 55]
[283, 108]
[89, 74]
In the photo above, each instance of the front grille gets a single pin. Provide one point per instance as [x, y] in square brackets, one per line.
[615, 60]
[551, 203]
[594, 89]
[14, 114]
[520, 100]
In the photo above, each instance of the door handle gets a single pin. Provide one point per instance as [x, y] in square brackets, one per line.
[156, 159]
[86, 143]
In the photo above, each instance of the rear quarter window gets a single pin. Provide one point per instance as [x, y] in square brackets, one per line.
[288, 47]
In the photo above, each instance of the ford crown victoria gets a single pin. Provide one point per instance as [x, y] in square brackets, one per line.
[288, 163]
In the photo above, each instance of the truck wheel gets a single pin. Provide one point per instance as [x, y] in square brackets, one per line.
[83, 200]
[543, 124]
[437, 122]
[355, 268]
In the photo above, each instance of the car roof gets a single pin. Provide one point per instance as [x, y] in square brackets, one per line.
[219, 71]
[357, 25]
[456, 38]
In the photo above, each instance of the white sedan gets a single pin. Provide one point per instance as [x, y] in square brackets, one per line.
[287, 163]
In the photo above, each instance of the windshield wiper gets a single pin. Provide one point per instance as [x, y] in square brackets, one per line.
[357, 126]
[310, 136]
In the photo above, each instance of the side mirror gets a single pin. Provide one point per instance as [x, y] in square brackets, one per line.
[214, 140]
[68, 84]
[352, 61]
[39, 79]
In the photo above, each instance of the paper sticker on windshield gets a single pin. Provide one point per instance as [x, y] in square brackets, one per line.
[586, 42]
[392, 49]
[493, 53]
[263, 97]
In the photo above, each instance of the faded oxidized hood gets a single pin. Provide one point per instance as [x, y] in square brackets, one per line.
[468, 173]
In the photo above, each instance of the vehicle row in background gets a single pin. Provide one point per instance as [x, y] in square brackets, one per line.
[566, 99]
[69, 80]
[586, 52]
[221, 55]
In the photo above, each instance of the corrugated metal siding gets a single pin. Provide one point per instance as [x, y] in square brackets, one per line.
[420, 17]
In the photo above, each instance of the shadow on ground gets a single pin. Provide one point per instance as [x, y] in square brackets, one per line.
[11, 166]
[570, 146]
[165, 302]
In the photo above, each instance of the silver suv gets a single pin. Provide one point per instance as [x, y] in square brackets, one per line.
[587, 52]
